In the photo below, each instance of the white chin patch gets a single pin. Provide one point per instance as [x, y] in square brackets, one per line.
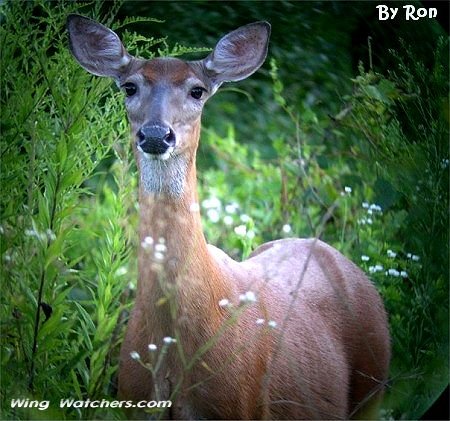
[159, 174]
[163, 157]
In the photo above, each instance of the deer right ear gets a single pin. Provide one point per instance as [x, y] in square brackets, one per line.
[238, 54]
[96, 48]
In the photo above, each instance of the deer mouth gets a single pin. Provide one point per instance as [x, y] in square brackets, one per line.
[158, 156]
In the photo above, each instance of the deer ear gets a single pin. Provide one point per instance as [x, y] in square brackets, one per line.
[96, 48]
[238, 54]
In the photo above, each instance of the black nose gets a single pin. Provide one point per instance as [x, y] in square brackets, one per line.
[155, 139]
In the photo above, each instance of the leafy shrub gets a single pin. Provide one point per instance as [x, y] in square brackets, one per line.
[64, 252]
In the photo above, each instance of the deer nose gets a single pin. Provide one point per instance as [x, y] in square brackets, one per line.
[156, 139]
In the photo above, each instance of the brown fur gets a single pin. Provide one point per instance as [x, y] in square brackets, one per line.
[175, 71]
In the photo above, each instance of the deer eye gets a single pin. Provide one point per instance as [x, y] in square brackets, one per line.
[129, 88]
[197, 92]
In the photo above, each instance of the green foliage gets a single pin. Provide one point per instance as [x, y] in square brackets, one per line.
[63, 249]
[372, 181]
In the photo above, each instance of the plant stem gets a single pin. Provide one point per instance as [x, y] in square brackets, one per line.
[41, 289]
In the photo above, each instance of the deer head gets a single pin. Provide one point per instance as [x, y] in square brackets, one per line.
[165, 96]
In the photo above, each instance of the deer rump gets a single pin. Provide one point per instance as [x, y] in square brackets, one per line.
[328, 357]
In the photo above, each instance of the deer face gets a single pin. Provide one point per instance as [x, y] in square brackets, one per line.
[164, 100]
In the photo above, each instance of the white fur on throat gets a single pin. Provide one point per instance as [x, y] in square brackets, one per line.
[160, 176]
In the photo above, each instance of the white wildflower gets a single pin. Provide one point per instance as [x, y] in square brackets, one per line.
[391, 254]
[161, 248]
[231, 207]
[212, 203]
[121, 271]
[50, 235]
[365, 258]
[286, 228]
[39, 235]
[147, 243]
[413, 257]
[248, 297]
[404, 274]
[148, 240]
[240, 230]
[169, 340]
[347, 191]
[228, 220]
[213, 215]
[272, 324]
[374, 207]
[245, 218]
[250, 234]
[365, 205]
[376, 268]
[224, 302]
[260, 321]
[158, 255]
[152, 347]
[135, 355]
[195, 207]
[393, 272]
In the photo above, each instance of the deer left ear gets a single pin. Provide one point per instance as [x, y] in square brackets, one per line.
[96, 48]
[238, 54]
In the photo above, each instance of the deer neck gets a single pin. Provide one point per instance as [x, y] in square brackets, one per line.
[176, 270]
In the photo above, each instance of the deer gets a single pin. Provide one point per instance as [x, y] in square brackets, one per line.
[310, 339]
